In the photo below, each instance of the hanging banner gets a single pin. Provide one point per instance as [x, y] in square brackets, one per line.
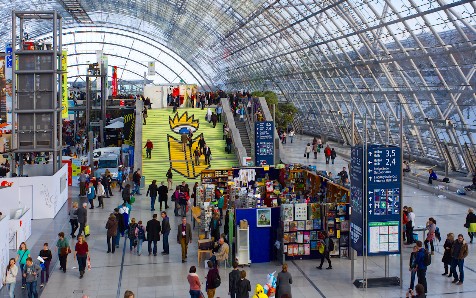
[3, 104]
[8, 82]
[114, 81]
[129, 126]
[64, 82]
[151, 68]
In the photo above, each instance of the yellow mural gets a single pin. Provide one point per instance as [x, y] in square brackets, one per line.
[182, 161]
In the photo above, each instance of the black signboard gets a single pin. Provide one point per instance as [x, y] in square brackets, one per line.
[264, 143]
[129, 126]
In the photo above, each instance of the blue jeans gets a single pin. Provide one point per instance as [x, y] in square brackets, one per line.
[460, 264]
[152, 203]
[194, 294]
[136, 189]
[117, 238]
[184, 210]
[139, 246]
[412, 280]
[165, 242]
[82, 262]
[131, 243]
[31, 288]
[11, 289]
[22, 270]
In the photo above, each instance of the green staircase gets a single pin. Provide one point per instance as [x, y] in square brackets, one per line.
[159, 131]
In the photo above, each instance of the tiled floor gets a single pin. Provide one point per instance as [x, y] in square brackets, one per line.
[166, 276]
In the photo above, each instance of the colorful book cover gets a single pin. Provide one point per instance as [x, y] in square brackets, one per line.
[286, 226]
[300, 211]
[300, 237]
[301, 225]
[286, 238]
[313, 245]
[309, 224]
[307, 249]
[287, 212]
[301, 249]
[313, 235]
[285, 248]
[317, 224]
[292, 237]
[341, 210]
[314, 211]
[331, 232]
[330, 222]
[293, 226]
[290, 249]
[306, 236]
[344, 226]
[295, 249]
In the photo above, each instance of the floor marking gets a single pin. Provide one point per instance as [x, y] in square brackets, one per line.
[308, 279]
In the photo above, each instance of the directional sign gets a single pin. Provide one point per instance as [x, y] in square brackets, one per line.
[264, 143]
[357, 196]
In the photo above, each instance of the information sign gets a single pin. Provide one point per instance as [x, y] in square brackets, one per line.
[356, 195]
[264, 143]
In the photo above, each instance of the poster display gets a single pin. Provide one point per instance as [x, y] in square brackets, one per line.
[264, 143]
[64, 84]
[3, 104]
[300, 212]
[8, 82]
[114, 82]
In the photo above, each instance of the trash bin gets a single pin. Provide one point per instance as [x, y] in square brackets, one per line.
[142, 182]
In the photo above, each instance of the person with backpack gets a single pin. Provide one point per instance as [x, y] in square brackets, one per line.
[213, 280]
[450, 239]
[233, 279]
[183, 200]
[327, 153]
[140, 231]
[422, 261]
[430, 238]
[470, 224]
[328, 247]
[132, 235]
[459, 252]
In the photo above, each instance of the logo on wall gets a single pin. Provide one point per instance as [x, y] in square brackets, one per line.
[180, 161]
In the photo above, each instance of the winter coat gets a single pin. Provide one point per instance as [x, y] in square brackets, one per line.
[243, 288]
[165, 225]
[152, 190]
[283, 284]
[82, 215]
[194, 282]
[470, 219]
[233, 279]
[153, 230]
[111, 226]
[120, 222]
[463, 252]
[163, 192]
[126, 194]
[447, 253]
[333, 154]
[212, 275]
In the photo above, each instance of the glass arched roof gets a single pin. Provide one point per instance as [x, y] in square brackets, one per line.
[330, 58]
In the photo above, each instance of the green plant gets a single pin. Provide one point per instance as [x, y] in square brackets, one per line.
[285, 112]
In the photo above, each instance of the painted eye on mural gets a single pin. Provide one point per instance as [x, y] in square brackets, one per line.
[184, 129]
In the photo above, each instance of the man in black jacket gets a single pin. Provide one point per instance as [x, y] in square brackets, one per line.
[120, 227]
[207, 152]
[163, 194]
[165, 232]
[82, 218]
[234, 278]
[152, 191]
[136, 177]
[153, 233]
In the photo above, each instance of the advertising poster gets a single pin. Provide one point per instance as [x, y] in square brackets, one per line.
[129, 126]
[114, 81]
[64, 82]
[8, 82]
[151, 68]
[3, 104]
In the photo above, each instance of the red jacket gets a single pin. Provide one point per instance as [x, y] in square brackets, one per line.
[327, 151]
[149, 145]
[194, 281]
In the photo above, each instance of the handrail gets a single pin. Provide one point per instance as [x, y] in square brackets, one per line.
[235, 133]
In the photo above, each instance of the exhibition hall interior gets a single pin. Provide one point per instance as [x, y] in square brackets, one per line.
[237, 148]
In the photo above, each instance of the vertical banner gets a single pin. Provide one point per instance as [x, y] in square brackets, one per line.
[129, 126]
[264, 142]
[3, 104]
[151, 68]
[114, 81]
[64, 82]
[356, 200]
[8, 82]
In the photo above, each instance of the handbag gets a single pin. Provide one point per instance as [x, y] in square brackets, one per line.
[86, 230]
[89, 263]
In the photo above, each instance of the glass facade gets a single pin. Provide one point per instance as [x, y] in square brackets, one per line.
[376, 58]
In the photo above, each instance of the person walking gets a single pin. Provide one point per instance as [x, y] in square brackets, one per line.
[148, 148]
[184, 237]
[106, 182]
[307, 150]
[215, 225]
[470, 224]
[165, 232]
[153, 190]
[243, 287]
[111, 227]
[62, 246]
[140, 231]
[91, 193]
[314, 149]
[284, 137]
[30, 274]
[283, 283]
[83, 178]
[101, 193]
[410, 225]
[327, 153]
[73, 219]
[333, 155]
[22, 254]
[132, 235]
[46, 255]
[221, 203]
[459, 252]
[233, 279]
[420, 265]
[214, 119]
[10, 279]
[136, 178]
[412, 267]
[82, 218]
[208, 153]
[121, 227]
[184, 140]
[196, 156]
[450, 239]
[81, 253]
[163, 192]
[430, 238]
[219, 110]
[169, 176]
[194, 282]
[327, 248]
[291, 135]
[153, 234]
[213, 280]
[126, 194]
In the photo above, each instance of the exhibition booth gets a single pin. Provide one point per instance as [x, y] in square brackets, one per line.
[43, 195]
